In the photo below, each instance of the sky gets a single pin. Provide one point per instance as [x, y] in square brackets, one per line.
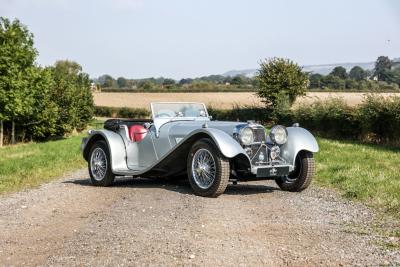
[192, 38]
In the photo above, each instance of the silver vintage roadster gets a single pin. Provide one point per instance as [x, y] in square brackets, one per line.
[181, 141]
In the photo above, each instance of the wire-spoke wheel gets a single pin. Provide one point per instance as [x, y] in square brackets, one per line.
[208, 170]
[203, 168]
[99, 165]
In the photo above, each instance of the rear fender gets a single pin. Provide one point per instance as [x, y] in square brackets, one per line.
[115, 144]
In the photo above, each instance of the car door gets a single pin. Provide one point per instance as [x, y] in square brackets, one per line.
[141, 155]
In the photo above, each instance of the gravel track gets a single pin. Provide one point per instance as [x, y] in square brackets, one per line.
[145, 222]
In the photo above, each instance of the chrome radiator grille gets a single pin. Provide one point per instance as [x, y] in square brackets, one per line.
[259, 134]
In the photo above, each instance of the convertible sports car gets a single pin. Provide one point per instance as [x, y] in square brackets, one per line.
[181, 141]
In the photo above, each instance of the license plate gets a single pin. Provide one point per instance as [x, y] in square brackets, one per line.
[273, 171]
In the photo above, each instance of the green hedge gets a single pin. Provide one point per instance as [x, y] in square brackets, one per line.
[192, 89]
[376, 120]
[124, 112]
[241, 113]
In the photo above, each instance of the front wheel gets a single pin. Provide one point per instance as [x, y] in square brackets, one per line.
[208, 170]
[99, 165]
[300, 178]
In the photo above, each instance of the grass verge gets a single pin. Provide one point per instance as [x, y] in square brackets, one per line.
[28, 165]
[369, 173]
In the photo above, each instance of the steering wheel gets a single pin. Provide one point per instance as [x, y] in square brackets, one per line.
[165, 113]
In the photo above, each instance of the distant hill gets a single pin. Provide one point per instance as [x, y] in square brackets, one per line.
[321, 69]
[247, 72]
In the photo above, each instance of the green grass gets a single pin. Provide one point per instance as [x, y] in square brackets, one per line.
[368, 173]
[28, 165]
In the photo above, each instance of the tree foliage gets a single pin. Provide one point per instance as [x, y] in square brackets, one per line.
[339, 72]
[357, 73]
[122, 82]
[17, 56]
[42, 102]
[382, 68]
[72, 95]
[386, 72]
[280, 80]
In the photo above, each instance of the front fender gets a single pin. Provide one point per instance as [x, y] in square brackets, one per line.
[115, 144]
[298, 139]
[228, 146]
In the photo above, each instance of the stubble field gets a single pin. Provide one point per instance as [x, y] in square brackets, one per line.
[220, 100]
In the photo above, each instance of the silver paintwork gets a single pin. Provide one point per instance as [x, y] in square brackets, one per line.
[115, 144]
[166, 137]
[298, 139]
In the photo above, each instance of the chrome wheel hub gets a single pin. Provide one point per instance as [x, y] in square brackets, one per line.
[98, 164]
[203, 168]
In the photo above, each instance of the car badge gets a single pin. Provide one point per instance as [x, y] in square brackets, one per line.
[273, 171]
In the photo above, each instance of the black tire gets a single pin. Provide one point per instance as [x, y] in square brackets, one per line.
[301, 177]
[222, 169]
[108, 178]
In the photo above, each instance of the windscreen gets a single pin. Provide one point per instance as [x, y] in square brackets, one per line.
[176, 110]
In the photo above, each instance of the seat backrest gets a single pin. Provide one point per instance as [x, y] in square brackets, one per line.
[137, 132]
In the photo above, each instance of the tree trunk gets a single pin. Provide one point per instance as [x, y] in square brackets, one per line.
[13, 132]
[1, 133]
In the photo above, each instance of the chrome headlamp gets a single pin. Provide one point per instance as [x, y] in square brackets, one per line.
[246, 136]
[278, 134]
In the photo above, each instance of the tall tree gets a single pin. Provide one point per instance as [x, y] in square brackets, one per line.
[106, 81]
[382, 68]
[17, 56]
[340, 72]
[238, 80]
[72, 95]
[280, 80]
[357, 73]
[41, 123]
[315, 80]
[122, 82]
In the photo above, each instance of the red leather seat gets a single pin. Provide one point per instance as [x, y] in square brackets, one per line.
[137, 133]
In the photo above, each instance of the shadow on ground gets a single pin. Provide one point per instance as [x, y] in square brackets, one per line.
[181, 186]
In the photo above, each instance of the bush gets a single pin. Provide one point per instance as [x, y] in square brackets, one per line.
[133, 113]
[241, 113]
[331, 118]
[103, 111]
[280, 78]
[380, 119]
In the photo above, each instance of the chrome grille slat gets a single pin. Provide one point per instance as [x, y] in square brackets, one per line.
[259, 135]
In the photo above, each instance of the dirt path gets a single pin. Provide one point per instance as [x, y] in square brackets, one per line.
[145, 222]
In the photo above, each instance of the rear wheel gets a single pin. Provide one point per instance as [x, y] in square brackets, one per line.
[208, 170]
[99, 165]
[300, 178]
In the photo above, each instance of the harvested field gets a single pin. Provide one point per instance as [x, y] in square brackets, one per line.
[221, 100]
